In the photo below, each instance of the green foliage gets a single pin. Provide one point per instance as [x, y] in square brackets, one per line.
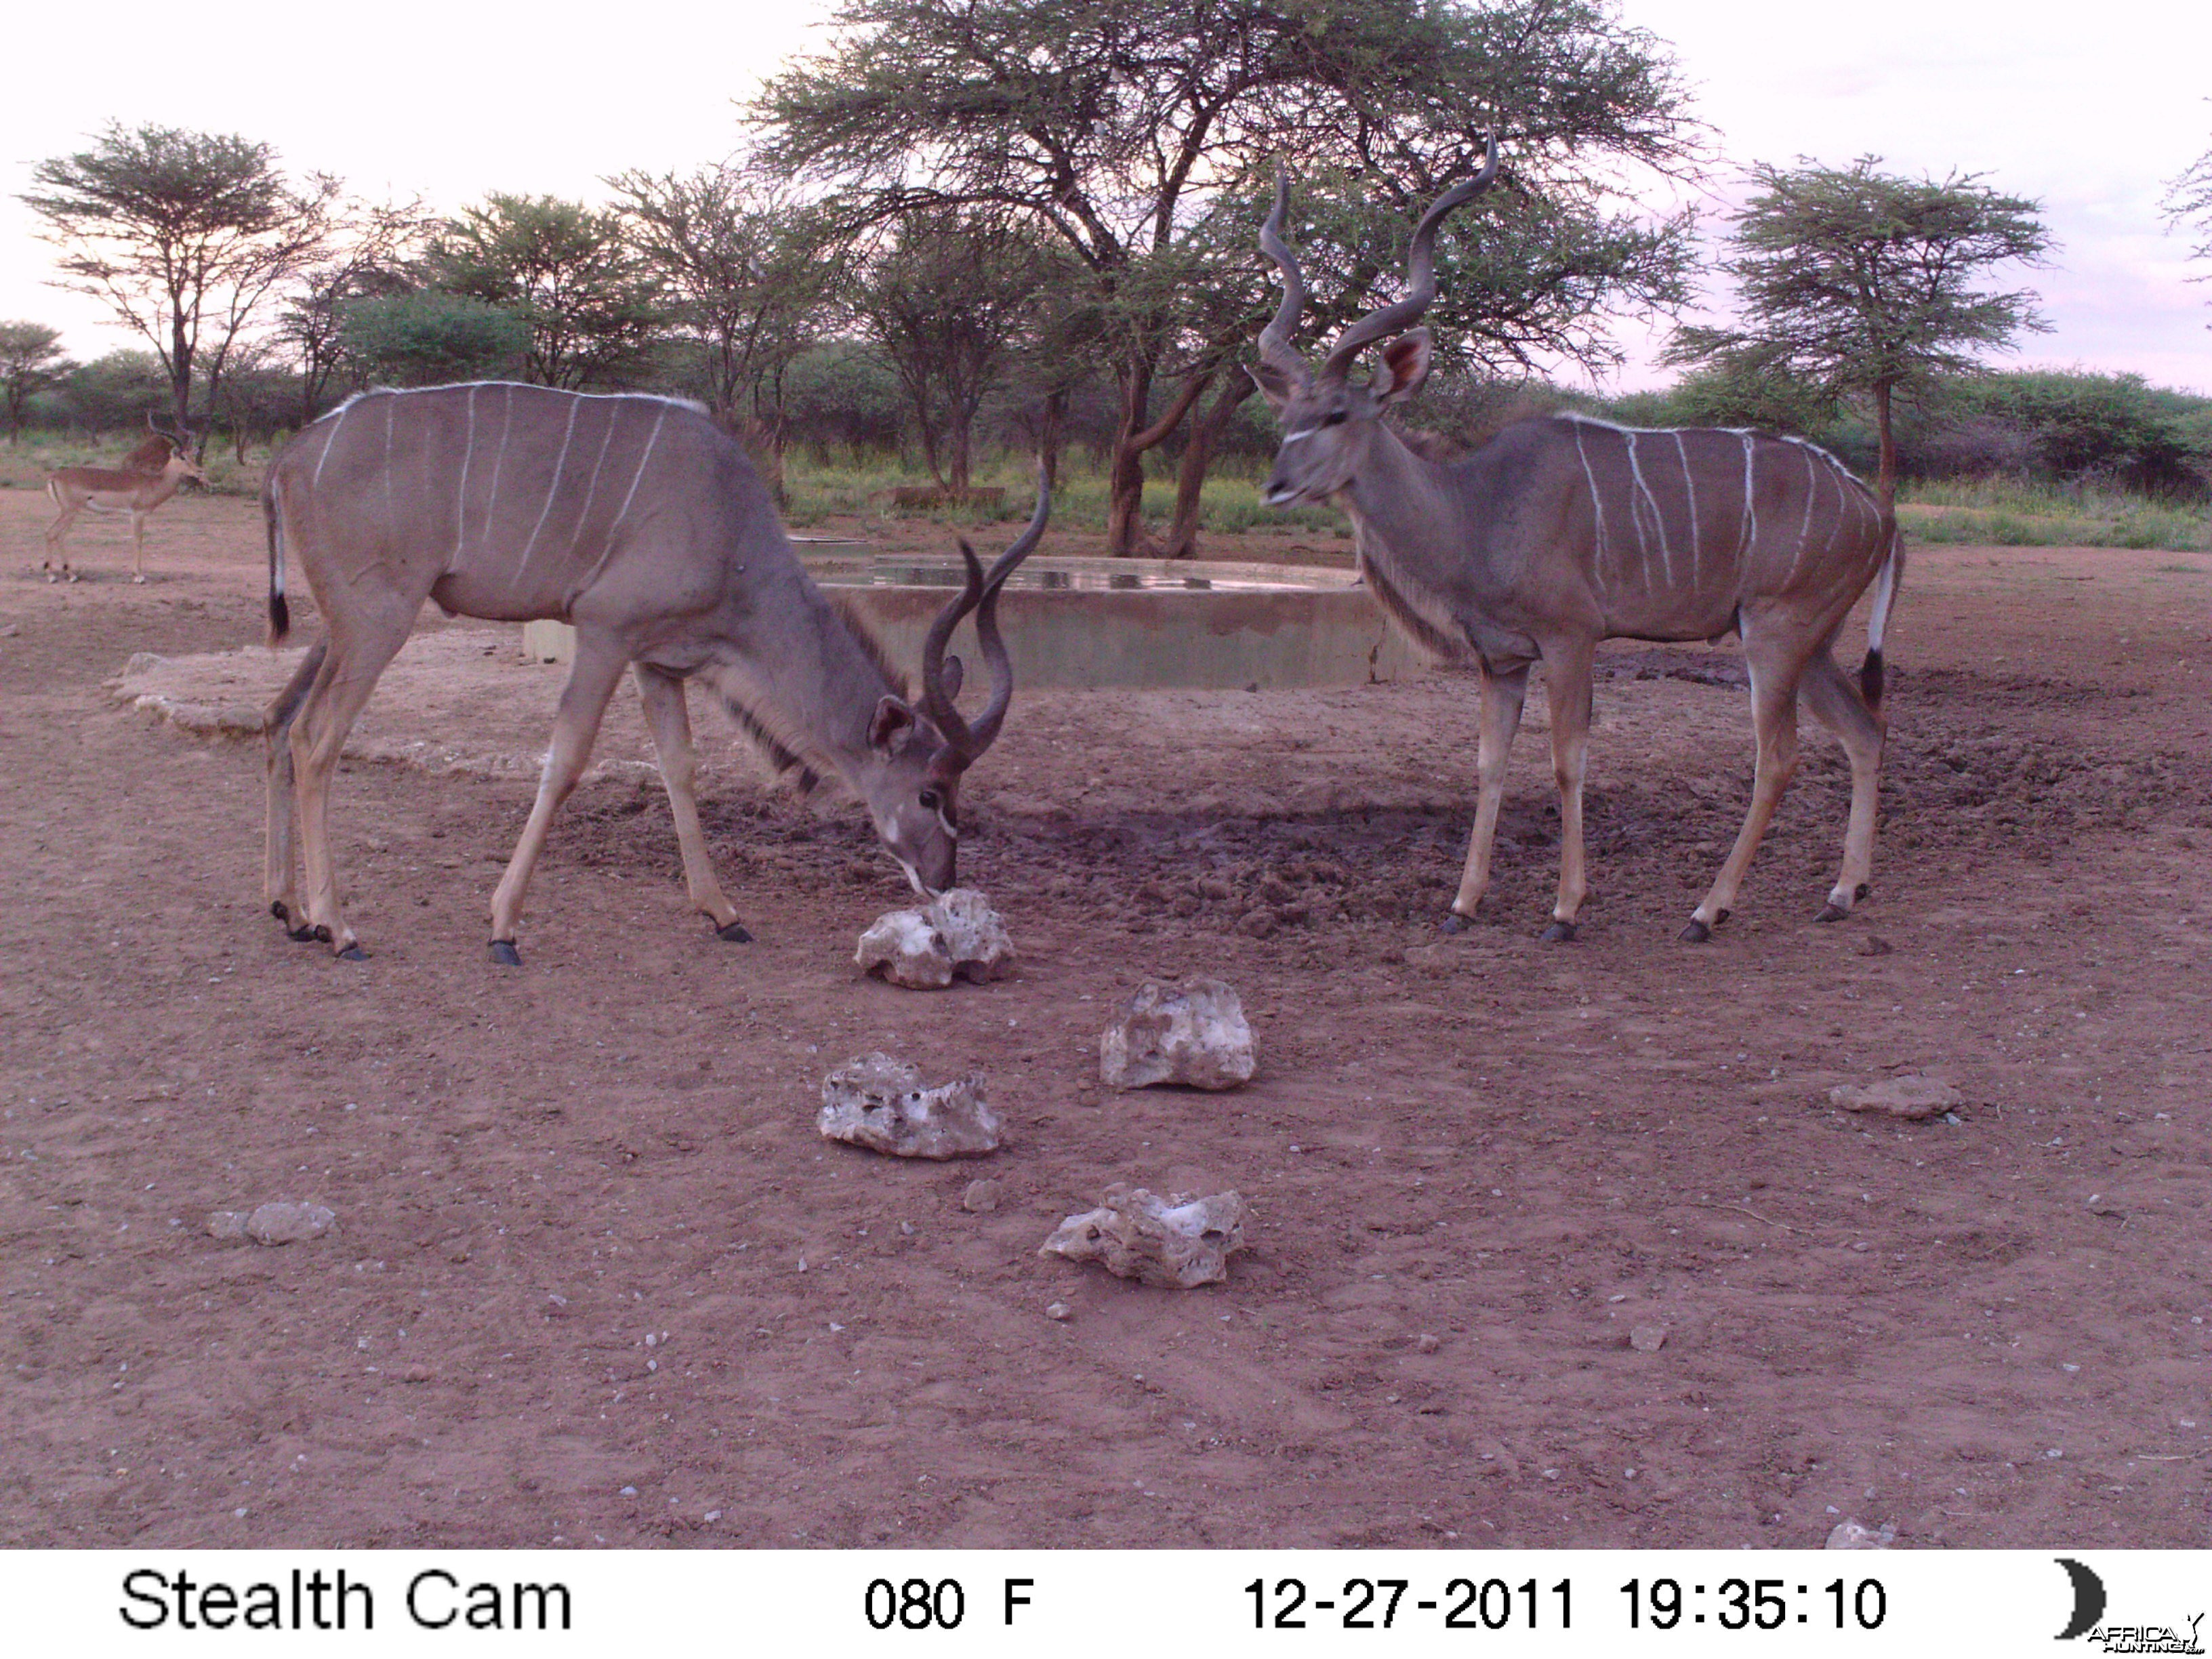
[428, 337]
[116, 392]
[567, 271]
[2077, 426]
[2006, 512]
[30, 360]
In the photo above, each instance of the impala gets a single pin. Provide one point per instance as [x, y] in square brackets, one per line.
[1565, 530]
[640, 522]
[149, 475]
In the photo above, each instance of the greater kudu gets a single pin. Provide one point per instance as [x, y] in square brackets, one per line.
[640, 522]
[1562, 531]
[149, 475]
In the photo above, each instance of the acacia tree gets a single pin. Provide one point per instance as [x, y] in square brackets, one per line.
[186, 236]
[1863, 284]
[2188, 206]
[368, 253]
[1124, 127]
[945, 304]
[566, 271]
[749, 279]
[30, 360]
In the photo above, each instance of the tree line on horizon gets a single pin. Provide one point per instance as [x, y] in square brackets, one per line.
[1028, 227]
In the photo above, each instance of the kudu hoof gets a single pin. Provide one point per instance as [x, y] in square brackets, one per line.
[504, 954]
[353, 953]
[1696, 933]
[302, 934]
[320, 933]
[1831, 912]
[1861, 891]
[735, 934]
[279, 909]
[1454, 923]
[1559, 932]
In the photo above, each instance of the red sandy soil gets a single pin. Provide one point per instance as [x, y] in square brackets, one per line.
[588, 1240]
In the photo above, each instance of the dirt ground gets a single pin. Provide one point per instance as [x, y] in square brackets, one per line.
[595, 1278]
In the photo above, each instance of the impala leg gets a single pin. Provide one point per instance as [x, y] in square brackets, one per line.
[277, 887]
[1774, 720]
[138, 547]
[358, 653]
[1567, 689]
[1835, 703]
[56, 534]
[665, 712]
[575, 727]
[1503, 696]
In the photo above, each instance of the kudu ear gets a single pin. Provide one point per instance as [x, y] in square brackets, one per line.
[893, 720]
[1276, 386]
[1404, 365]
[954, 673]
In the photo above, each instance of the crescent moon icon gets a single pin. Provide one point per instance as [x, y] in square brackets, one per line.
[2088, 1599]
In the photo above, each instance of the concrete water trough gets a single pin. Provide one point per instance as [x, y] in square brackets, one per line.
[1094, 623]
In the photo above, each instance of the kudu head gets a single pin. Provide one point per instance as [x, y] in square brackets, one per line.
[1328, 421]
[917, 755]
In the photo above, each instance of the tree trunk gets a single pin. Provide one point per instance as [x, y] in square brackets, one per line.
[1050, 428]
[1197, 457]
[1125, 500]
[1885, 477]
[957, 441]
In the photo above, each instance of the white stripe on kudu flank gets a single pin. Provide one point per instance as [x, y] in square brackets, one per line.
[652, 438]
[498, 462]
[391, 507]
[344, 409]
[1665, 554]
[560, 465]
[1750, 507]
[591, 486]
[1805, 530]
[1690, 489]
[1598, 507]
[461, 500]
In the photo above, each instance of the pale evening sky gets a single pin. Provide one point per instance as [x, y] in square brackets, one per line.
[2087, 109]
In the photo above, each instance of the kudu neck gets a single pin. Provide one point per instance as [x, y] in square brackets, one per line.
[800, 663]
[1403, 500]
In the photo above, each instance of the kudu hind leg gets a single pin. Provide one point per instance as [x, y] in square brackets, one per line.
[280, 867]
[665, 712]
[1774, 720]
[599, 665]
[1832, 700]
[358, 656]
[1503, 697]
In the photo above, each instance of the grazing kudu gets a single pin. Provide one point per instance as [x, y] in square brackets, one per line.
[638, 520]
[1562, 531]
[149, 475]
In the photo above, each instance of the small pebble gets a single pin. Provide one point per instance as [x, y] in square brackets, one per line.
[1056, 1310]
[981, 1197]
[1428, 1342]
[1648, 1339]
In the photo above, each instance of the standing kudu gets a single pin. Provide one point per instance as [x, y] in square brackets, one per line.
[149, 475]
[1562, 531]
[638, 520]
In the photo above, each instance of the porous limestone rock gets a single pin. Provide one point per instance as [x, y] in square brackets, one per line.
[274, 1222]
[1909, 1096]
[958, 935]
[1857, 1536]
[879, 1103]
[1174, 1243]
[1194, 1034]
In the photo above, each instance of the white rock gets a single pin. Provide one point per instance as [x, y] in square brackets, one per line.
[907, 949]
[1174, 1243]
[227, 1223]
[1648, 1339]
[1194, 1034]
[958, 935]
[1909, 1096]
[1852, 1535]
[879, 1103]
[974, 934]
[289, 1223]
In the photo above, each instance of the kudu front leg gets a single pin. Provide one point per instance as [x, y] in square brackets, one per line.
[665, 712]
[575, 727]
[1567, 689]
[1503, 697]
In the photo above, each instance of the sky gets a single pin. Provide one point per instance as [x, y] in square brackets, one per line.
[2087, 109]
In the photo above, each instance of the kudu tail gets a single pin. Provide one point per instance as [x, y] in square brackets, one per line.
[1885, 601]
[280, 614]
